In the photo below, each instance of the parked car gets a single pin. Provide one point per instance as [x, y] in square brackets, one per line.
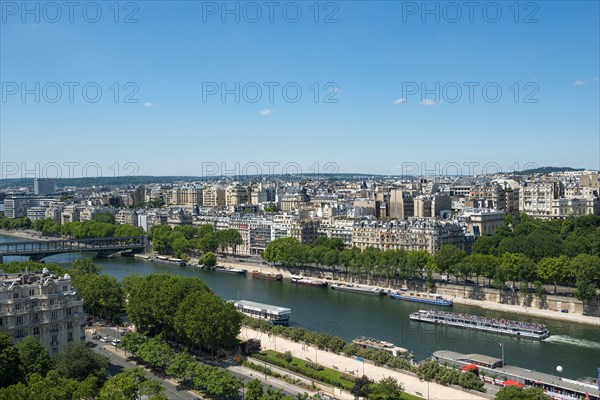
[564, 310]
[105, 339]
[96, 337]
[115, 342]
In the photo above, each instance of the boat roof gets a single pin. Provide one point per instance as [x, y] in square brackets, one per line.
[252, 305]
[522, 373]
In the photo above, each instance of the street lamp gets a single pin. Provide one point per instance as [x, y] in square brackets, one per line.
[502, 347]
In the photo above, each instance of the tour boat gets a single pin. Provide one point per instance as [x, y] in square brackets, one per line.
[530, 330]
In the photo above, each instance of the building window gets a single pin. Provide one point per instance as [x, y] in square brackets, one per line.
[51, 302]
[54, 350]
[36, 330]
[19, 334]
[36, 317]
[16, 296]
[17, 306]
[19, 320]
[70, 336]
[1, 321]
[34, 304]
[64, 288]
[70, 325]
[68, 311]
[53, 315]
[31, 292]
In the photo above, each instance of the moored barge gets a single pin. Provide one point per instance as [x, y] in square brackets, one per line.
[357, 289]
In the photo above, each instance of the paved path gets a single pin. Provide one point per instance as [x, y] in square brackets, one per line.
[412, 384]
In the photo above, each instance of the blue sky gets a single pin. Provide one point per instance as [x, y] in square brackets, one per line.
[374, 53]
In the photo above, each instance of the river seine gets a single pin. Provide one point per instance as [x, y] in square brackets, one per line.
[575, 347]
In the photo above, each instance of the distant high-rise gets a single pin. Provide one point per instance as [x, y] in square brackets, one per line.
[42, 187]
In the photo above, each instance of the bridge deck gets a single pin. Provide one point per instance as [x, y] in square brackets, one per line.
[72, 245]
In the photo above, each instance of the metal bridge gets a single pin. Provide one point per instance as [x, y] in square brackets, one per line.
[102, 246]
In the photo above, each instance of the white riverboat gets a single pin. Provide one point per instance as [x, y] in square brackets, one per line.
[274, 314]
[530, 330]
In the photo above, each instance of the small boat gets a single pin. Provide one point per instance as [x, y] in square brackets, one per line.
[417, 297]
[376, 344]
[169, 260]
[357, 289]
[267, 275]
[530, 330]
[274, 314]
[230, 270]
[301, 280]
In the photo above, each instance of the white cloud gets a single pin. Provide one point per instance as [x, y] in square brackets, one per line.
[266, 112]
[429, 102]
[148, 104]
[401, 100]
[580, 82]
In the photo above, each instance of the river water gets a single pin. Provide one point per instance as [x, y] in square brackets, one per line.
[575, 347]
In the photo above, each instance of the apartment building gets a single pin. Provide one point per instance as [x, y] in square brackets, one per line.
[432, 206]
[126, 216]
[213, 196]
[44, 306]
[237, 194]
[483, 221]
[412, 234]
[186, 196]
[336, 229]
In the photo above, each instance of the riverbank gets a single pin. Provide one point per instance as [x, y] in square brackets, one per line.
[25, 234]
[489, 305]
[412, 384]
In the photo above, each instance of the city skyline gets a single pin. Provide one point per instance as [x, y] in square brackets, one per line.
[188, 86]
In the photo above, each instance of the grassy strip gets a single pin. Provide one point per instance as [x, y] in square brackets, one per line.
[326, 375]
[270, 372]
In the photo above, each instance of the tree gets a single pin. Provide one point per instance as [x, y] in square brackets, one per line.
[386, 389]
[361, 387]
[587, 271]
[447, 257]
[553, 269]
[254, 390]
[208, 242]
[252, 346]
[104, 217]
[85, 266]
[130, 384]
[132, 341]
[181, 365]
[10, 362]
[102, 295]
[156, 353]
[77, 361]
[206, 320]
[205, 229]
[517, 393]
[153, 300]
[518, 267]
[34, 357]
[123, 230]
[208, 259]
